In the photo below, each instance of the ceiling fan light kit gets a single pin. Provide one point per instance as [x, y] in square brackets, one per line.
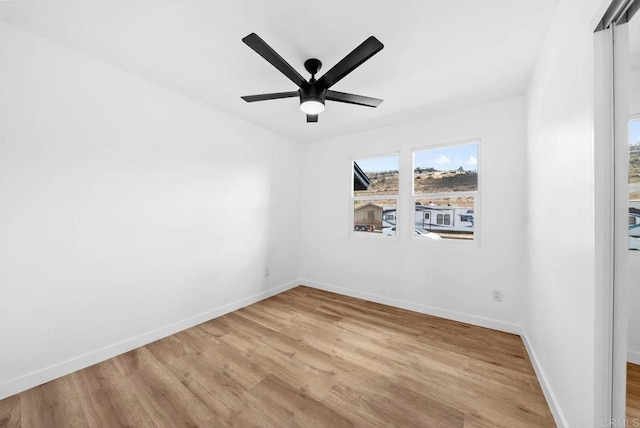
[313, 93]
[312, 106]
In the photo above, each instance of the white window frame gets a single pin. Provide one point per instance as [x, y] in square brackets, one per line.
[353, 199]
[440, 195]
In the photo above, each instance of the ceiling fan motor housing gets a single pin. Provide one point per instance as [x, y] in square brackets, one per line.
[312, 92]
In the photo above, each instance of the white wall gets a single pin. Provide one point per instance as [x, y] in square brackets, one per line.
[450, 279]
[559, 324]
[127, 211]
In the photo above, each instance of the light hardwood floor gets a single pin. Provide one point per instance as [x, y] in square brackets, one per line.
[301, 358]
[633, 393]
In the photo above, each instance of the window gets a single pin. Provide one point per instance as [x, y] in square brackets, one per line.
[634, 184]
[375, 196]
[445, 188]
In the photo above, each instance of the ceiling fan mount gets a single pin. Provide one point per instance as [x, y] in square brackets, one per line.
[313, 65]
[313, 93]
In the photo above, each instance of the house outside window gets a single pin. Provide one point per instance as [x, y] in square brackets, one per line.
[445, 189]
[374, 197]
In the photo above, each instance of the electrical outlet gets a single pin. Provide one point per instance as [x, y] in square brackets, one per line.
[496, 295]
[266, 272]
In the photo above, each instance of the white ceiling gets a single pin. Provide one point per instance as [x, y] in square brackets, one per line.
[438, 55]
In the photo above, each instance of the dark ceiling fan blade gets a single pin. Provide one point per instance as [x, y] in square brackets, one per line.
[273, 96]
[343, 97]
[266, 52]
[312, 118]
[366, 50]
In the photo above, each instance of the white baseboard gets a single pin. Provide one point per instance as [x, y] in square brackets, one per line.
[417, 307]
[556, 411]
[633, 356]
[57, 370]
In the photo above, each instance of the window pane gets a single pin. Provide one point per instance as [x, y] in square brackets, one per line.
[634, 220]
[375, 217]
[445, 218]
[375, 176]
[634, 151]
[446, 169]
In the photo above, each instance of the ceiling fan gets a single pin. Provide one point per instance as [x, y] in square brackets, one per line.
[313, 93]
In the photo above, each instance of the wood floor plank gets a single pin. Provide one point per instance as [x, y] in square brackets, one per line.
[10, 412]
[117, 405]
[304, 357]
[289, 406]
[388, 403]
[53, 404]
[98, 376]
[633, 393]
